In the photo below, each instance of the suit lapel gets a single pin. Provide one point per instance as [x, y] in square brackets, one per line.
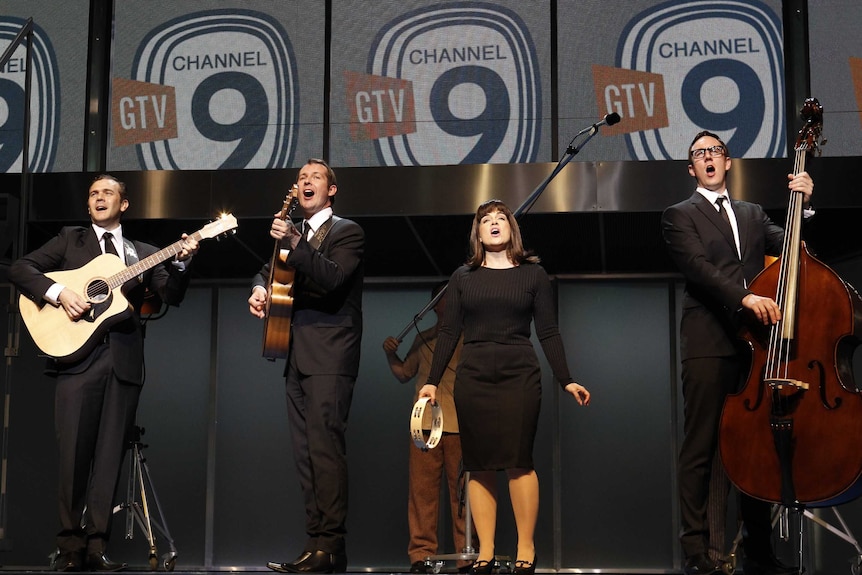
[91, 243]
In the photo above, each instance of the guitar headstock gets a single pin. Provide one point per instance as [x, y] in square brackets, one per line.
[225, 224]
[290, 201]
[809, 136]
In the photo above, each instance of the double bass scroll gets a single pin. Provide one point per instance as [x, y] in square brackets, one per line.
[279, 296]
[791, 435]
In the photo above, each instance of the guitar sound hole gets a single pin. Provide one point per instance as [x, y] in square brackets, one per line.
[97, 291]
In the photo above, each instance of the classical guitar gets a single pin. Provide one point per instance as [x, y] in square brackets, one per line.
[279, 292]
[100, 283]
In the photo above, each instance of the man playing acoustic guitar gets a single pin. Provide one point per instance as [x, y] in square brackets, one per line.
[97, 391]
[323, 359]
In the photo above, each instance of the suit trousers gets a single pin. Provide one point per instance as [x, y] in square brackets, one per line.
[427, 469]
[719, 489]
[93, 414]
[705, 384]
[317, 409]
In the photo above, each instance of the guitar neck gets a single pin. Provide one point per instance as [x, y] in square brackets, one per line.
[149, 262]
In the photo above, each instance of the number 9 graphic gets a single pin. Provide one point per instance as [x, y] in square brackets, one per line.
[491, 123]
[12, 127]
[745, 119]
[250, 130]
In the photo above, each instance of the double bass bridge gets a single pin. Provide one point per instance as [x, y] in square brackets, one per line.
[779, 383]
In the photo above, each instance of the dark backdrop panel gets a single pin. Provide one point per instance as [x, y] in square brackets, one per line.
[257, 506]
[379, 434]
[616, 455]
[174, 413]
[31, 492]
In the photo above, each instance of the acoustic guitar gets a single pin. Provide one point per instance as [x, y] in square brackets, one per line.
[100, 282]
[279, 292]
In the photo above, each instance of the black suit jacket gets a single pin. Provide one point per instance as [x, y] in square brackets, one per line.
[716, 278]
[73, 248]
[326, 327]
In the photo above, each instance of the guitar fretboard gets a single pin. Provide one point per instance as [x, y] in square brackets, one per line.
[148, 262]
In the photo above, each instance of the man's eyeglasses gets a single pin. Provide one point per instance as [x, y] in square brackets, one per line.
[716, 151]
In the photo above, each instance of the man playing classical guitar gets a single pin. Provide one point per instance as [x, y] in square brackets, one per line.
[97, 395]
[323, 359]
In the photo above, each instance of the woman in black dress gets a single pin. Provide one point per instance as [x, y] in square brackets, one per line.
[493, 298]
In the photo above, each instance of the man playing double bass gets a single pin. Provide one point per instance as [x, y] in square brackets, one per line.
[719, 246]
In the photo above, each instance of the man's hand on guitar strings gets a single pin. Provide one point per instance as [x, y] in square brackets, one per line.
[75, 305]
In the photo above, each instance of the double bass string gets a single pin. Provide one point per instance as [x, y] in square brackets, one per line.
[781, 334]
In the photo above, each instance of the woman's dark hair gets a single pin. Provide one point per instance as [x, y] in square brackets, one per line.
[515, 250]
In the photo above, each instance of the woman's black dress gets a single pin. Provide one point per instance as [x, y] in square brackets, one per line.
[498, 388]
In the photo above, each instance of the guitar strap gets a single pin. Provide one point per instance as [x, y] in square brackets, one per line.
[318, 237]
[131, 255]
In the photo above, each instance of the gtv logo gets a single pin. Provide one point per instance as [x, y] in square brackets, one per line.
[454, 83]
[44, 100]
[209, 90]
[719, 67]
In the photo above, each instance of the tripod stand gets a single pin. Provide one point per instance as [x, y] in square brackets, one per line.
[140, 489]
[780, 515]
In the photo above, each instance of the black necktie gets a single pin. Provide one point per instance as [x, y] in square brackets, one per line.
[719, 201]
[108, 238]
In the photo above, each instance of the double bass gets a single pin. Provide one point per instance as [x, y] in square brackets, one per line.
[279, 288]
[793, 434]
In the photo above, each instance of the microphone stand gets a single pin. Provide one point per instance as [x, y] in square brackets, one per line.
[418, 317]
[571, 151]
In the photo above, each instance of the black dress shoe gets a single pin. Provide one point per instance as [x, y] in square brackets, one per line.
[418, 567]
[100, 562]
[767, 566]
[318, 562]
[700, 564]
[285, 567]
[69, 562]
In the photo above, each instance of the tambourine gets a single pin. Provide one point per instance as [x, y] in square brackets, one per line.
[416, 418]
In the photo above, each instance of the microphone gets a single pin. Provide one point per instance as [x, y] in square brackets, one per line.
[609, 120]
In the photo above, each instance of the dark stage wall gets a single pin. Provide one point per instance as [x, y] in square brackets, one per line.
[217, 447]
